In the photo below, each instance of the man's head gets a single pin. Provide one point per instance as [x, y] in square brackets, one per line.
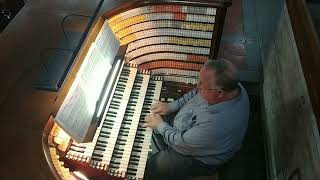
[218, 80]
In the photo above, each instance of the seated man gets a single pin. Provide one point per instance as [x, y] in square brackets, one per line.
[208, 128]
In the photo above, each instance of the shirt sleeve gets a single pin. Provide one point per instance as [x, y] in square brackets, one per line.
[194, 141]
[177, 104]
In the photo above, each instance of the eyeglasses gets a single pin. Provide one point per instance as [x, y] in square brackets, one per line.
[207, 89]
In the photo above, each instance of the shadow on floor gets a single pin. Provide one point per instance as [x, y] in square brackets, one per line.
[249, 163]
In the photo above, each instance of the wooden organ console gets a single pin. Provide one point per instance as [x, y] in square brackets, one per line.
[142, 51]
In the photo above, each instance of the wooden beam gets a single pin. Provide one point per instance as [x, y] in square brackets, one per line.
[308, 48]
[217, 32]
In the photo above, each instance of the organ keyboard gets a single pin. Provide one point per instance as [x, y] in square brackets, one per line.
[167, 44]
[121, 145]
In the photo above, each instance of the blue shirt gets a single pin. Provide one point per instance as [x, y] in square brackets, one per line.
[209, 133]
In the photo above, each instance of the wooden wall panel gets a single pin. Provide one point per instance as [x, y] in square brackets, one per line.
[292, 135]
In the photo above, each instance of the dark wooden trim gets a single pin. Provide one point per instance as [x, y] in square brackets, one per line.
[308, 48]
[45, 146]
[172, 68]
[164, 52]
[172, 60]
[168, 43]
[217, 32]
[167, 36]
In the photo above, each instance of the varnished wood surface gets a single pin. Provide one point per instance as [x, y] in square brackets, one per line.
[309, 49]
[215, 43]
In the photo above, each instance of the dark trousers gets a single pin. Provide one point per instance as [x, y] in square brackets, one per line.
[167, 164]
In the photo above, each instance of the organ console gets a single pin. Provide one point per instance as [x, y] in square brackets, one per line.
[161, 45]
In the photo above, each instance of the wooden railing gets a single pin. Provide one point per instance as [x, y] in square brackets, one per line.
[308, 48]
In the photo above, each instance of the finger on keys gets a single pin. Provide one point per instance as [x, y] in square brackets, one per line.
[149, 117]
[154, 111]
[144, 124]
[155, 101]
[154, 105]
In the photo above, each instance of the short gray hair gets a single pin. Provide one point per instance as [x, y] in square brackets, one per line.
[226, 74]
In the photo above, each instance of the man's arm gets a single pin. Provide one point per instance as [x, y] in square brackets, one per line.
[179, 103]
[162, 108]
[195, 141]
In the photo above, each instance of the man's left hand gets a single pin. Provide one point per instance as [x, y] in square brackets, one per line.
[152, 121]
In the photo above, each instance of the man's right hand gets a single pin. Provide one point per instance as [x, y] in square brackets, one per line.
[160, 108]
